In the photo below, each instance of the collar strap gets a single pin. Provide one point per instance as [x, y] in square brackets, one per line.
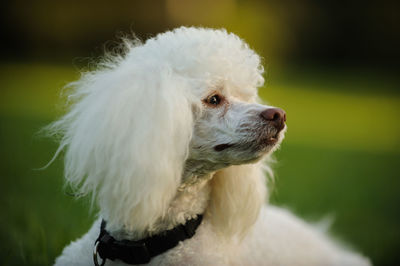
[142, 251]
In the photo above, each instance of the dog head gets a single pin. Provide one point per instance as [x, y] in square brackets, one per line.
[183, 103]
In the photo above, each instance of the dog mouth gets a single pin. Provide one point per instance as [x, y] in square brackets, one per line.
[262, 143]
[271, 140]
[222, 147]
[259, 142]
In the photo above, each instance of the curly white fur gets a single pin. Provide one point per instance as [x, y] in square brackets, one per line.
[141, 137]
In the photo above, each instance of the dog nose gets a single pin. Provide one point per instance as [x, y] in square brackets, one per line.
[276, 116]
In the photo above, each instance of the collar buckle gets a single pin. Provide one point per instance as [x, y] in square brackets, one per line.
[96, 255]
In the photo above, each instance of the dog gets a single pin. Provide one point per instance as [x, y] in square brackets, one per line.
[172, 143]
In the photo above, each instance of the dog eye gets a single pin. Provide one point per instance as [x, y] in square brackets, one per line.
[214, 100]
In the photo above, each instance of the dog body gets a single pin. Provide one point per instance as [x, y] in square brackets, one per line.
[174, 129]
[278, 238]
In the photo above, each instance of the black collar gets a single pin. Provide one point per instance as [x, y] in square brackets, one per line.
[141, 251]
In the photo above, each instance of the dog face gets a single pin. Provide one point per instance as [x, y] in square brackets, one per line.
[233, 131]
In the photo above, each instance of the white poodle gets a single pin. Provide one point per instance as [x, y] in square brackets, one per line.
[172, 144]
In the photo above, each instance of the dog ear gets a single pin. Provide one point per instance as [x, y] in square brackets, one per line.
[237, 195]
[126, 138]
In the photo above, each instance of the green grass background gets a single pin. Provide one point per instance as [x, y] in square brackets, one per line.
[340, 159]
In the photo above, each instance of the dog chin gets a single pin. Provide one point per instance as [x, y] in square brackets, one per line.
[267, 148]
[271, 144]
[258, 151]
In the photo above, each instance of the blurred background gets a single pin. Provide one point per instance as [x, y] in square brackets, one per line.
[332, 65]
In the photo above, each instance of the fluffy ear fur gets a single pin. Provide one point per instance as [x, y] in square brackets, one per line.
[238, 193]
[126, 138]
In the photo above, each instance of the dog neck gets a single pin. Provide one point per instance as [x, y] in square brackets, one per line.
[190, 200]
